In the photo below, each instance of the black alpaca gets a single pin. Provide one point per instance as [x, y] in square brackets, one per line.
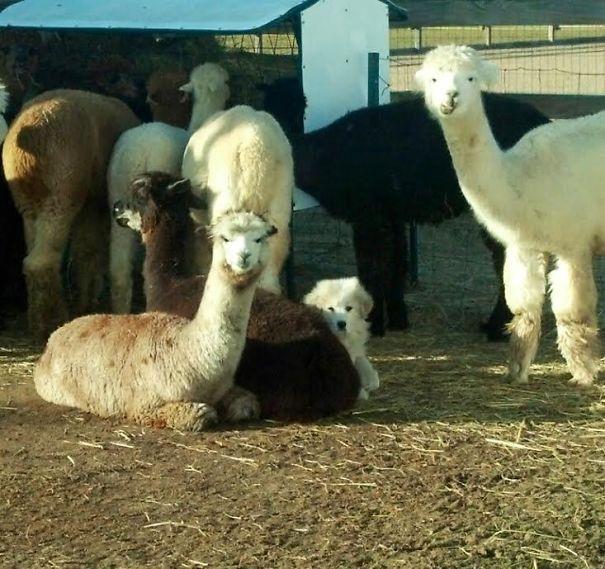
[382, 167]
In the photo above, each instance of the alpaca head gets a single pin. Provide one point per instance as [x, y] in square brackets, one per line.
[208, 81]
[241, 244]
[152, 194]
[452, 77]
[344, 302]
[167, 102]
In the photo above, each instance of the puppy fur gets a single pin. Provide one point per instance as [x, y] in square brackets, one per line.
[346, 306]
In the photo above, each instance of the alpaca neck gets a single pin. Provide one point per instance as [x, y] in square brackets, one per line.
[204, 109]
[164, 256]
[221, 321]
[480, 166]
[304, 155]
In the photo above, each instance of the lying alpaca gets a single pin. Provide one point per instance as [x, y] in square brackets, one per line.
[346, 305]
[160, 368]
[292, 362]
[241, 159]
[544, 195]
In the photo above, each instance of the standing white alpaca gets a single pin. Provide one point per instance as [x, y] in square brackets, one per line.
[3, 108]
[241, 159]
[546, 195]
[156, 368]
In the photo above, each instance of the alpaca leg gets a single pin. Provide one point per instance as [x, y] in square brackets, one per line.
[279, 248]
[239, 404]
[525, 284]
[42, 269]
[397, 314]
[364, 241]
[574, 303]
[89, 256]
[179, 415]
[121, 259]
[495, 326]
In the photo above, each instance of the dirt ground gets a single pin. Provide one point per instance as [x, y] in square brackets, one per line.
[447, 466]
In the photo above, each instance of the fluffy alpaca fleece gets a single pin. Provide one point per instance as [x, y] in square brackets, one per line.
[150, 146]
[157, 368]
[241, 159]
[292, 362]
[209, 87]
[55, 157]
[166, 100]
[545, 195]
[346, 306]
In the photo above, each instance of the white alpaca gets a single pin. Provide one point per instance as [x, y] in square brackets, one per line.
[546, 195]
[157, 147]
[149, 147]
[208, 85]
[346, 306]
[157, 368]
[241, 159]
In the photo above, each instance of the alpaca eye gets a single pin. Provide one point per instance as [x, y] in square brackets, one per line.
[348, 308]
[225, 240]
[434, 80]
[258, 240]
[331, 308]
[471, 79]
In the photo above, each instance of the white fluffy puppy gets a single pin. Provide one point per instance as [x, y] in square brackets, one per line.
[346, 305]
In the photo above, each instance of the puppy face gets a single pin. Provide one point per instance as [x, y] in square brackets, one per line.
[344, 302]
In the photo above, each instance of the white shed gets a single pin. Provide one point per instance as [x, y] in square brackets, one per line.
[335, 35]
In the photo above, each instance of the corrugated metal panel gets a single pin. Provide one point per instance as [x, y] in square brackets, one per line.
[225, 16]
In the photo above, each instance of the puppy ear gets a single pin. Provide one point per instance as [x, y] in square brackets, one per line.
[187, 88]
[366, 303]
[199, 217]
[312, 298]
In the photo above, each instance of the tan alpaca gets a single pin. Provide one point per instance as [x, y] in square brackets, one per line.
[55, 156]
[156, 368]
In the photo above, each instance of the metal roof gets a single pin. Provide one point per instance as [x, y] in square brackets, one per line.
[212, 16]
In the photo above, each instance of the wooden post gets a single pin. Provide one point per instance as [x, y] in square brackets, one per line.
[417, 38]
[487, 31]
[373, 78]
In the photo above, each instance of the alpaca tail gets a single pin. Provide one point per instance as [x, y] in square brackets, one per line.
[4, 98]
[3, 107]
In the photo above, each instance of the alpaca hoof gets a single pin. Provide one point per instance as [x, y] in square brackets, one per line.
[243, 408]
[581, 381]
[203, 416]
[515, 375]
[493, 333]
[363, 395]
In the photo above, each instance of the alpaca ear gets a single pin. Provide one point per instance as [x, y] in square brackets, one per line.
[200, 218]
[179, 187]
[419, 78]
[489, 73]
[139, 183]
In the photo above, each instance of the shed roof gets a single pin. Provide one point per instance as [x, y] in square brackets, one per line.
[212, 16]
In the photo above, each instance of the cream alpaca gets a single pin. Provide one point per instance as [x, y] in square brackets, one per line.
[543, 196]
[209, 87]
[346, 306]
[159, 368]
[242, 159]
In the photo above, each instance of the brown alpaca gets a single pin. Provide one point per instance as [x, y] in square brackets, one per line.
[157, 368]
[167, 102]
[292, 362]
[55, 156]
